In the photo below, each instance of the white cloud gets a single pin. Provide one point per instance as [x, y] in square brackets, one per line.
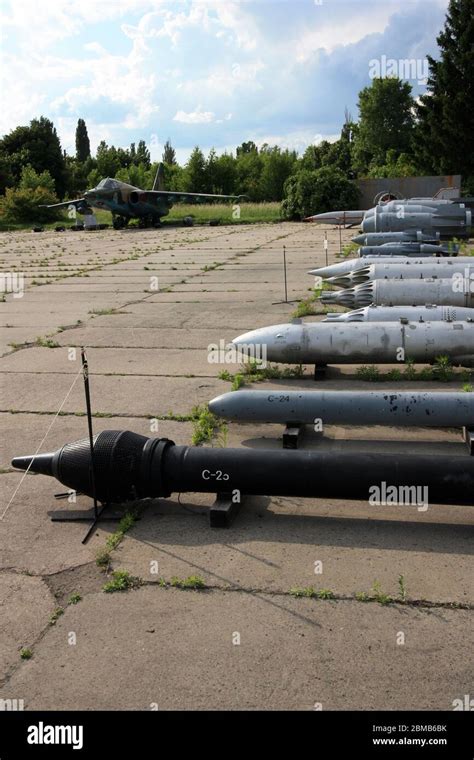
[327, 35]
[195, 117]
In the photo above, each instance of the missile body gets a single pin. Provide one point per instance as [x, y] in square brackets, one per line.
[343, 267]
[408, 236]
[408, 249]
[337, 217]
[128, 466]
[425, 409]
[360, 343]
[401, 271]
[428, 313]
[449, 220]
[442, 292]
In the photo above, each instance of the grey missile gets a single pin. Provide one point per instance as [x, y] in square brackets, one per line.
[408, 236]
[428, 313]
[449, 220]
[408, 249]
[420, 409]
[323, 343]
[443, 292]
[401, 271]
[348, 265]
[337, 217]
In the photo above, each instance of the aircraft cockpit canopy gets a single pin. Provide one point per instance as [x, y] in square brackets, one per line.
[108, 184]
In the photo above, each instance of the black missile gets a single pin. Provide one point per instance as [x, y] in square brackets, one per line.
[128, 466]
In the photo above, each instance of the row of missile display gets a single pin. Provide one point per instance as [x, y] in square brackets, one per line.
[409, 219]
[404, 317]
[406, 289]
[411, 300]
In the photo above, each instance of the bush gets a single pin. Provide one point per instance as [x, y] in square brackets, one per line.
[316, 191]
[23, 205]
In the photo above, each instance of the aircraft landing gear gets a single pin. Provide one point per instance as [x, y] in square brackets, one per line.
[119, 222]
[149, 221]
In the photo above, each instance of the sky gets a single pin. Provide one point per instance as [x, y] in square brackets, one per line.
[211, 73]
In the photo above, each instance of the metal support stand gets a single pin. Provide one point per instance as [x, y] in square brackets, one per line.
[224, 510]
[468, 437]
[285, 281]
[291, 435]
[96, 513]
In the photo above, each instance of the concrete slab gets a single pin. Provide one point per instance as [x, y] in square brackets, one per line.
[147, 396]
[113, 361]
[26, 604]
[169, 649]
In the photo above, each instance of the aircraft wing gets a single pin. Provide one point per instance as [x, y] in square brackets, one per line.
[66, 204]
[177, 195]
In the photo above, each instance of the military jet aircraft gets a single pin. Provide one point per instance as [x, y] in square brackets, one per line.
[127, 202]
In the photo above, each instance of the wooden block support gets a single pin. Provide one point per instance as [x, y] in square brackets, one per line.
[224, 510]
[319, 372]
[468, 436]
[291, 435]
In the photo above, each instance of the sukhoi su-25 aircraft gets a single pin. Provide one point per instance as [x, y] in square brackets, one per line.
[127, 202]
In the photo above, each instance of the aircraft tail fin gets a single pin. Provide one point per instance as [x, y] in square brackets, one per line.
[159, 183]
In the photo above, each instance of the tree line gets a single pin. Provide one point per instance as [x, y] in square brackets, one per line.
[395, 135]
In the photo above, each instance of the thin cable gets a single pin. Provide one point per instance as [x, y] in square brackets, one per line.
[43, 440]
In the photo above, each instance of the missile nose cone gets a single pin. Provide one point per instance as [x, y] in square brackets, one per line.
[41, 463]
[248, 338]
[358, 239]
[226, 405]
[217, 405]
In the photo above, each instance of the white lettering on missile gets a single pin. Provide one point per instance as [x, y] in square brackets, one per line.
[217, 475]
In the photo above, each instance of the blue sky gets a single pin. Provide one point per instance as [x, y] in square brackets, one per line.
[207, 72]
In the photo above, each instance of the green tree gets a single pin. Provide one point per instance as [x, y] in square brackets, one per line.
[37, 145]
[6, 176]
[195, 179]
[31, 180]
[338, 154]
[395, 166]
[445, 128]
[249, 165]
[83, 146]
[225, 174]
[169, 153]
[277, 167]
[174, 176]
[386, 122]
[108, 162]
[137, 176]
[143, 154]
[246, 147]
[316, 191]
